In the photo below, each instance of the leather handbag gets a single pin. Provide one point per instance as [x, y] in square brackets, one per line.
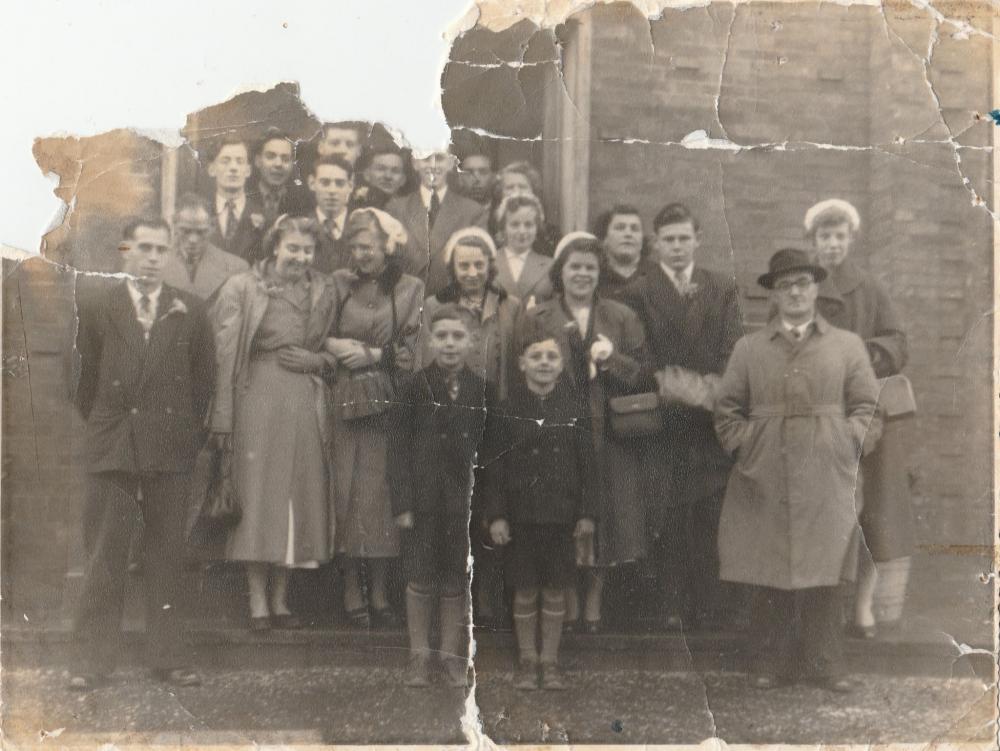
[635, 415]
[221, 510]
[362, 393]
[367, 392]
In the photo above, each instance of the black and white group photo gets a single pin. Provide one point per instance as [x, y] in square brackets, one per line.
[656, 406]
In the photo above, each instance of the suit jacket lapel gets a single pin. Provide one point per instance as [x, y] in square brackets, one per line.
[161, 335]
[532, 272]
[122, 314]
[447, 219]
[667, 301]
[211, 265]
[695, 313]
[504, 278]
[418, 221]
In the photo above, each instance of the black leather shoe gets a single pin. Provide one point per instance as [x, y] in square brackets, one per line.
[837, 685]
[592, 627]
[526, 675]
[456, 672]
[179, 677]
[359, 618]
[260, 623]
[764, 681]
[287, 621]
[418, 672]
[386, 619]
[552, 677]
[88, 681]
[862, 632]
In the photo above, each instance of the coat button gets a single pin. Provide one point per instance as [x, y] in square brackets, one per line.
[134, 410]
[465, 435]
[534, 451]
[170, 410]
[555, 449]
[116, 383]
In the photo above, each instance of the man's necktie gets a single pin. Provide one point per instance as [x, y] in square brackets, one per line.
[230, 220]
[192, 266]
[453, 388]
[272, 203]
[145, 315]
[432, 212]
[683, 284]
[332, 229]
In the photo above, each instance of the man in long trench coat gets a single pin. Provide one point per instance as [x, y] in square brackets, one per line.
[793, 409]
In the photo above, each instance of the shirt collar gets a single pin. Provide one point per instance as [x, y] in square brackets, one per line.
[425, 194]
[803, 327]
[136, 294]
[239, 202]
[267, 191]
[338, 220]
[776, 325]
[688, 271]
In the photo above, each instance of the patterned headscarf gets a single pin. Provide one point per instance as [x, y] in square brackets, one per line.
[394, 231]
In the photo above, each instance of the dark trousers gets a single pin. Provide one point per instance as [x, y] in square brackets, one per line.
[796, 633]
[107, 525]
[688, 569]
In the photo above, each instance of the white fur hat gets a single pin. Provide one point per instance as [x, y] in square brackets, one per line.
[833, 205]
[458, 235]
[567, 239]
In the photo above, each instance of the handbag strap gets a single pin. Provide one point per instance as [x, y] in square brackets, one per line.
[395, 320]
[392, 303]
[340, 309]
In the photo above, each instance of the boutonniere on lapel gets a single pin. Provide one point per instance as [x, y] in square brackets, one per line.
[271, 288]
[177, 307]
[361, 193]
[257, 220]
[691, 289]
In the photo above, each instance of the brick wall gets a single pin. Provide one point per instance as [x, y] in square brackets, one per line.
[41, 478]
[825, 74]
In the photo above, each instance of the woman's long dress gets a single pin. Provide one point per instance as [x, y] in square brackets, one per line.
[280, 470]
[365, 526]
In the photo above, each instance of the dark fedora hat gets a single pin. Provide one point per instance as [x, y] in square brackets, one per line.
[788, 260]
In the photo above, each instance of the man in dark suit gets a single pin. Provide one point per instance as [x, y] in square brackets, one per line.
[331, 182]
[275, 186]
[431, 214]
[238, 219]
[197, 266]
[146, 370]
[692, 320]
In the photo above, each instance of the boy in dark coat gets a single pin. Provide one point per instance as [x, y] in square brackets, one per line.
[539, 488]
[437, 431]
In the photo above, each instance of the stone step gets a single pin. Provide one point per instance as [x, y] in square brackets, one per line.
[234, 647]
